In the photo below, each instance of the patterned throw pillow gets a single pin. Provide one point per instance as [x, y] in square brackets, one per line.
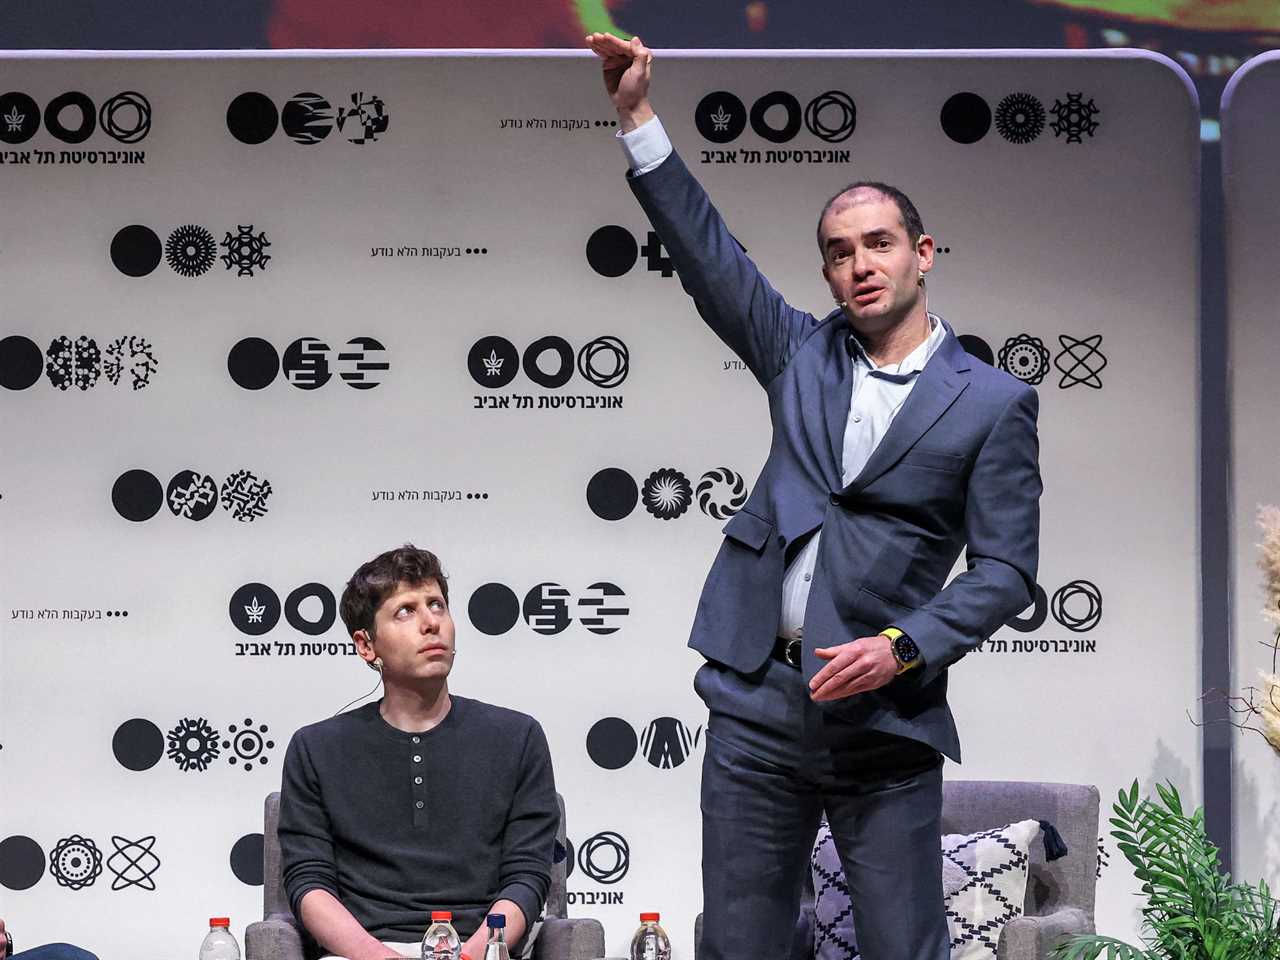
[984, 885]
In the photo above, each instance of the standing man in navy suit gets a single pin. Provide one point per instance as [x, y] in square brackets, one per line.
[825, 621]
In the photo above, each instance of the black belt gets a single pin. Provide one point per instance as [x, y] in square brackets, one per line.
[787, 650]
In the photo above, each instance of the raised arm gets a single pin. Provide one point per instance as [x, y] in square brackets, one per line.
[727, 288]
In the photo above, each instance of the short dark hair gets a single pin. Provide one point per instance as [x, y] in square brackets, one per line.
[906, 209]
[378, 579]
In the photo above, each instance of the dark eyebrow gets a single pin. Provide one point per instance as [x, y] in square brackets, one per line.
[877, 232]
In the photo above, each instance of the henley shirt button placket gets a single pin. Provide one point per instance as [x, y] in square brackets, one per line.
[419, 791]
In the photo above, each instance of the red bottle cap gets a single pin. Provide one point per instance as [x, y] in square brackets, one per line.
[441, 915]
[649, 918]
[219, 921]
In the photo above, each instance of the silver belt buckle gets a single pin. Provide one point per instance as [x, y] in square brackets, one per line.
[792, 652]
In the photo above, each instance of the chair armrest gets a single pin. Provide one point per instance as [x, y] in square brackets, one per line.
[580, 938]
[1031, 938]
[275, 938]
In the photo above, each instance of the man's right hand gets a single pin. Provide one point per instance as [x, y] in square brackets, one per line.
[626, 66]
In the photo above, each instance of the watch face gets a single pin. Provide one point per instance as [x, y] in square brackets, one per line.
[905, 649]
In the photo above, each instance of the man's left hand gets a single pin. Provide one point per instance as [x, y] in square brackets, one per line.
[864, 664]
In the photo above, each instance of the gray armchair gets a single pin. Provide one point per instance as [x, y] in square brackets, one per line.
[279, 936]
[1060, 894]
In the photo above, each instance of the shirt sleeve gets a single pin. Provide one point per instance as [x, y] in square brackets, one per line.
[306, 837]
[528, 841]
[646, 146]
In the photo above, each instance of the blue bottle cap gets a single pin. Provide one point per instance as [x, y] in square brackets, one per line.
[496, 920]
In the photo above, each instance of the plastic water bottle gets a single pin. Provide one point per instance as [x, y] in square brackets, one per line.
[441, 942]
[651, 941]
[219, 944]
[496, 946]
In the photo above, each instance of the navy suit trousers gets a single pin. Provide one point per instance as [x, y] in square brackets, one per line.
[774, 762]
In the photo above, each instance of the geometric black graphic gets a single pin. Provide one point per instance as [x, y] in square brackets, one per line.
[306, 363]
[126, 117]
[1078, 622]
[76, 862]
[246, 859]
[546, 608]
[977, 347]
[1026, 357]
[1034, 620]
[493, 609]
[667, 493]
[192, 495]
[1080, 361]
[19, 121]
[358, 363]
[252, 118]
[78, 363]
[1020, 118]
[75, 101]
[612, 250]
[307, 118]
[132, 354]
[561, 374]
[831, 102]
[598, 608]
[612, 494]
[245, 495]
[966, 118]
[248, 744]
[193, 744]
[654, 259]
[791, 125]
[133, 863]
[721, 493]
[136, 250]
[328, 609]
[137, 495]
[1073, 118]
[21, 863]
[21, 362]
[138, 744]
[190, 250]
[604, 361]
[605, 858]
[720, 117]
[253, 363]
[245, 250]
[368, 117]
[667, 743]
[611, 743]
[493, 361]
[254, 609]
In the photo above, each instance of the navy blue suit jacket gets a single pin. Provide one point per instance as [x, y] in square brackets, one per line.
[958, 468]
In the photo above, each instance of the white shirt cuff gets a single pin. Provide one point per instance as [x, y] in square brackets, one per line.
[646, 146]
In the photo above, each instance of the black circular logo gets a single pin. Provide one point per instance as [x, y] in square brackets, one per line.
[136, 250]
[493, 609]
[190, 250]
[253, 363]
[546, 608]
[137, 495]
[667, 493]
[1075, 619]
[966, 118]
[791, 117]
[1020, 118]
[192, 495]
[831, 116]
[666, 743]
[560, 373]
[612, 494]
[254, 609]
[19, 117]
[20, 362]
[306, 363]
[493, 362]
[246, 859]
[126, 117]
[720, 117]
[612, 250]
[605, 857]
[21, 863]
[328, 609]
[721, 493]
[605, 362]
[977, 347]
[1029, 622]
[252, 118]
[611, 743]
[307, 118]
[138, 744]
[73, 102]
[1026, 357]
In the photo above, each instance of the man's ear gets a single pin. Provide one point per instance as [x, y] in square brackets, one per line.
[363, 644]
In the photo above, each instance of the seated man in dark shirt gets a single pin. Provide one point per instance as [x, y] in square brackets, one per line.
[421, 801]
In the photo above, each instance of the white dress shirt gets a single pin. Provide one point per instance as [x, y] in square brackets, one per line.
[878, 394]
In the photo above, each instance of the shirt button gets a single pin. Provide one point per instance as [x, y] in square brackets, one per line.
[835, 500]
[417, 779]
[415, 739]
[808, 577]
[418, 804]
[416, 758]
[857, 419]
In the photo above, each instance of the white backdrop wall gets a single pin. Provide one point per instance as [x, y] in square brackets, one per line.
[141, 688]
[1250, 144]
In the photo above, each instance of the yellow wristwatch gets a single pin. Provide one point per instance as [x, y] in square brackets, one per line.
[904, 649]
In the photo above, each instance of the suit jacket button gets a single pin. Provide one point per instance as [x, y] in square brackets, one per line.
[835, 499]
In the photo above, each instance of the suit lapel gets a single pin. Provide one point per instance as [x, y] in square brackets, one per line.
[837, 394]
[941, 381]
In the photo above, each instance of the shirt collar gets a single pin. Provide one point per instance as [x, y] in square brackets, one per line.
[912, 363]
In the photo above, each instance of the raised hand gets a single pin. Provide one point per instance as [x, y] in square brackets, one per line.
[626, 67]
